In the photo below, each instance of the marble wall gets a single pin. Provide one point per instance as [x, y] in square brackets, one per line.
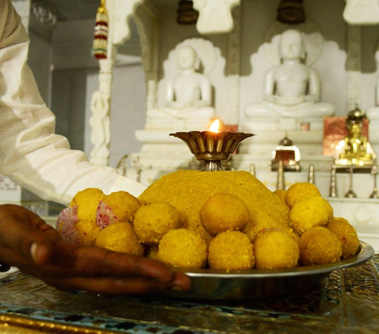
[75, 77]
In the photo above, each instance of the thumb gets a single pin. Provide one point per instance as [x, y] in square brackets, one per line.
[41, 252]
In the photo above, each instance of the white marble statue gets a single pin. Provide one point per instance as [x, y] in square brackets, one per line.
[291, 89]
[100, 125]
[373, 112]
[188, 94]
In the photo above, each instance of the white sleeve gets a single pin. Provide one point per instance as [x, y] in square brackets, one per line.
[30, 152]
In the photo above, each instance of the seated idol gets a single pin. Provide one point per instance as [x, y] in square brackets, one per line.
[355, 144]
[188, 94]
[291, 89]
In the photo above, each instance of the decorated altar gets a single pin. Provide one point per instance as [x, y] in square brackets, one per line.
[237, 44]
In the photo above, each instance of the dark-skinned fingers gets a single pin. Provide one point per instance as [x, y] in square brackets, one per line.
[94, 261]
[19, 229]
[181, 281]
[21, 214]
[11, 258]
[51, 232]
[110, 285]
[28, 266]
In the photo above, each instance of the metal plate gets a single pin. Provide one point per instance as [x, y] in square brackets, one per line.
[256, 284]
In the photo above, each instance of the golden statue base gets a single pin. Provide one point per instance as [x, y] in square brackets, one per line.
[347, 162]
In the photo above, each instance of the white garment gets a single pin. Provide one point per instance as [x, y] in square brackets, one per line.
[31, 153]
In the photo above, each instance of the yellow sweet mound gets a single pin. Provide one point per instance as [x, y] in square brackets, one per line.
[222, 212]
[183, 248]
[188, 190]
[281, 194]
[123, 205]
[120, 237]
[231, 250]
[300, 191]
[274, 249]
[311, 212]
[152, 221]
[87, 201]
[318, 245]
[88, 231]
[347, 234]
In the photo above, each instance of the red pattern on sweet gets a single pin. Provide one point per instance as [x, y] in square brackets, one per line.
[104, 215]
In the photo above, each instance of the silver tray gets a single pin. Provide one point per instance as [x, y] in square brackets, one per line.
[257, 284]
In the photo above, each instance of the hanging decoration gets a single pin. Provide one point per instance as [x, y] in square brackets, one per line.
[186, 14]
[100, 42]
[291, 12]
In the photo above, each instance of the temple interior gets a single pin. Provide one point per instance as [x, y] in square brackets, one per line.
[235, 62]
[252, 130]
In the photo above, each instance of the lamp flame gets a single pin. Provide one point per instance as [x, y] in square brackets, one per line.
[215, 126]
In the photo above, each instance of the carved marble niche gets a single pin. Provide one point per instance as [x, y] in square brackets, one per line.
[119, 12]
[205, 60]
[146, 15]
[267, 58]
[155, 136]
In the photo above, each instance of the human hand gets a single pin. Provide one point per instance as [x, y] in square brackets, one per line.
[36, 248]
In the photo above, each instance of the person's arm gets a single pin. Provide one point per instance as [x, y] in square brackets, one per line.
[30, 152]
[36, 248]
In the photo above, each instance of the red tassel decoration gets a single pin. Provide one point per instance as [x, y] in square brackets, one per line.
[100, 42]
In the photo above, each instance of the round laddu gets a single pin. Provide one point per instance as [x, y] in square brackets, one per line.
[120, 237]
[183, 248]
[318, 245]
[275, 249]
[300, 191]
[231, 250]
[311, 212]
[347, 234]
[252, 229]
[88, 231]
[153, 221]
[123, 205]
[222, 212]
[87, 201]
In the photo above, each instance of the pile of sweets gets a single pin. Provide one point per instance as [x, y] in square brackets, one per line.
[221, 220]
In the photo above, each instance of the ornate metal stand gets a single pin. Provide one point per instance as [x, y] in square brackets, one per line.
[333, 183]
[212, 147]
[252, 169]
[351, 193]
[374, 172]
[311, 174]
[280, 184]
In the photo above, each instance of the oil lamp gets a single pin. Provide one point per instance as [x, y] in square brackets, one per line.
[212, 146]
